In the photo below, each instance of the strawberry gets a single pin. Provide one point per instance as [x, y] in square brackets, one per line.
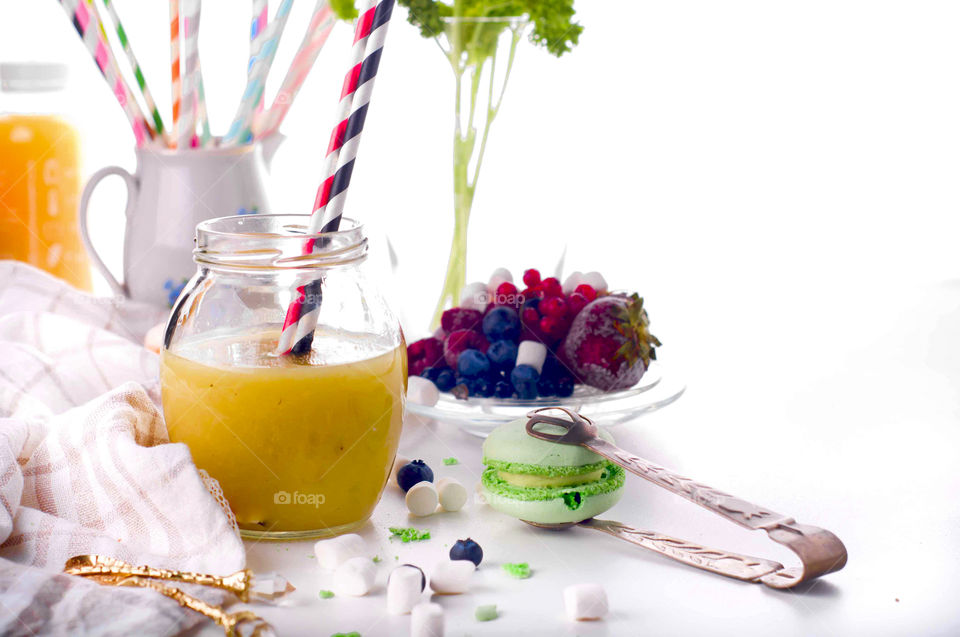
[609, 345]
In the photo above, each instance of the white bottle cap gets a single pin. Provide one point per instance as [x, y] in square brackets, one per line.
[33, 76]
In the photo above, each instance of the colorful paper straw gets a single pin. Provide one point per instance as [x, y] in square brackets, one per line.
[321, 24]
[137, 72]
[266, 49]
[261, 14]
[90, 30]
[205, 136]
[303, 313]
[175, 88]
[187, 123]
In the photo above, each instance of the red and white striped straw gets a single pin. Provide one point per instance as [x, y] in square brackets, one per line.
[91, 32]
[321, 25]
[175, 66]
[369, 38]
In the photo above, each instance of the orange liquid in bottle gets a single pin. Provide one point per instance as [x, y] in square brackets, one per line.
[39, 186]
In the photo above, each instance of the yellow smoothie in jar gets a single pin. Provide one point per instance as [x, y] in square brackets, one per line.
[303, 445]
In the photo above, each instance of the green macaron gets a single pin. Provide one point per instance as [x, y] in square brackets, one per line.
[546, 482]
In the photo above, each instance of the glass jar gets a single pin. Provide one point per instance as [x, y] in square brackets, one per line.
[39, 173]
[302, 445]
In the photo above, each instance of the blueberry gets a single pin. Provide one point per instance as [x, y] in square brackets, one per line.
[553, 368]
[472, 363]
[467, 550]
[445, 380]
[484, 388]
[565, 387]
[524, 379]
[546, 387]
[503, 389]
[502, 355]
[431, 374]
[532, 302]
[501, 323]
[412, 473]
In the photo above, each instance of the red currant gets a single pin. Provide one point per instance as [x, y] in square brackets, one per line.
[554, 306]
[552, 287]
[506, 294]
[531, 277]
[534, 292]
[576, 302]
[530, 316]
[587, 291]
[553, 326]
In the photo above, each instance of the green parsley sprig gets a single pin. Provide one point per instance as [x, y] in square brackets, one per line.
[553, 25]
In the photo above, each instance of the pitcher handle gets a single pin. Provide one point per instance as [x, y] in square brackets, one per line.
[92, 183]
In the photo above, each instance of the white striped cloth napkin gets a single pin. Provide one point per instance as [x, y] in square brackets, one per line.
[86, 467]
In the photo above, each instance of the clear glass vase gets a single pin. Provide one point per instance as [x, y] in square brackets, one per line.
[481, 52]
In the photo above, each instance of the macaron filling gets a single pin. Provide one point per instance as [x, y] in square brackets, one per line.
[610, 479]
[528, 480]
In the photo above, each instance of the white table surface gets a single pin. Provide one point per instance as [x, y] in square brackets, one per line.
[849, 424]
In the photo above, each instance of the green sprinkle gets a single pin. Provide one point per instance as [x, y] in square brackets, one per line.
[409, 534]
[353, 634]
[450, 461]
[122, 35]
[486, 612]
[326, 594]
[520, 570]
[376, 559]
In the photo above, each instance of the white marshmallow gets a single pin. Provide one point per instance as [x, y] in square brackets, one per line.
[596, 281]
[452, 494]
[153, 340]
[337, 550]
[474, 296]
[422, 391]
[426, 620]
[572, 281]
[500, 275]
[532, 353]
[397, 463]
[355, 576]
[404, 587]
[452, 577]
[585, 601]
[422, 499]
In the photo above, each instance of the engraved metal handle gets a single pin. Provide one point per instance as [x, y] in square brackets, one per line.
[742, 567]
[238, 583]
[819, 550]
[236, 624]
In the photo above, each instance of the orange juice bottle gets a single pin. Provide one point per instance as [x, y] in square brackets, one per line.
[39, 174]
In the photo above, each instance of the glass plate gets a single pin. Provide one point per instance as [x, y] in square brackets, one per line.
[479, 416]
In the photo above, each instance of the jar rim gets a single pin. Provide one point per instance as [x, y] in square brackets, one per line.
[209, 227]
[277, 241]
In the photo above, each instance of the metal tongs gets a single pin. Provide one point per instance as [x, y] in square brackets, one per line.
[819, 550]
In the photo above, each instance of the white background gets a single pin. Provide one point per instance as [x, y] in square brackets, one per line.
[778, 179]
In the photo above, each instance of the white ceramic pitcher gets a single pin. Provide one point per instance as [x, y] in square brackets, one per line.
[171, 192]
